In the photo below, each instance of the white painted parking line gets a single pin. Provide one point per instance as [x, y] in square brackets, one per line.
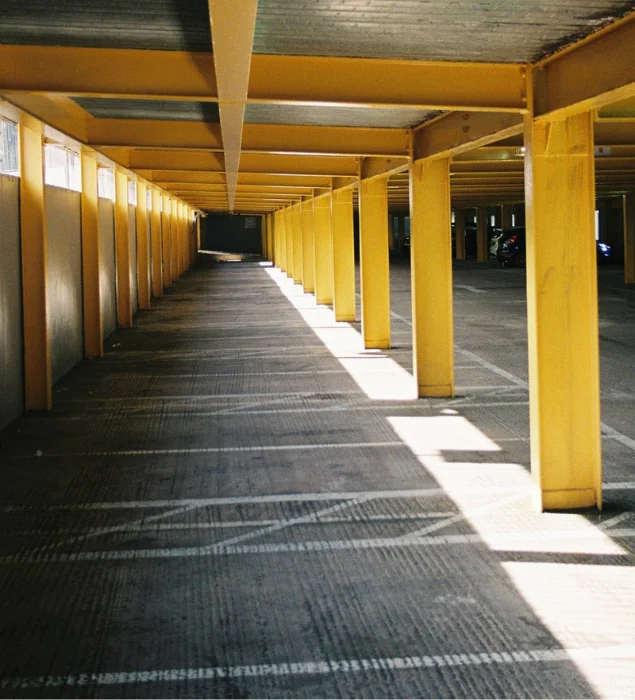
[224, 450]
[496, 541]
[325, 668]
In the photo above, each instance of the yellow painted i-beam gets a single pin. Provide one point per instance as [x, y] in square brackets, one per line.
[343, 256]
[263, 237]
[288, 236]
[431, 272]
[157, 255]
[282, 240]
[122, 246]
[91, 264]
[562, 309]
[459, 234]
[143, 246]
[38, 392]
[482, 252]
[628, 213]
[270, 247]
[174, 240]
[308, 247]
[323, 250]
[166, 239]
[373, 262]
[296, 222]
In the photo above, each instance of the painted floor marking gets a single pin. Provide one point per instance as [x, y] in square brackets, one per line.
[206, 397]
[325, 668]
[129, 528]
[317, 497]
[224, 450]
[287, 498]
[493, 541]
[606, 429]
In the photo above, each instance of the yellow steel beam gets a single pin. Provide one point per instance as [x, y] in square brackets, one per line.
[371, 167]
[38, 393]
[122, 245]
[91, 264]
[296, 223]
[343, 256]
[57, 111]
[157, 252]
[323, 246]
[262, 164]
[595, 73]
[374, 269]
[143, 246]
[288, 230]
[431, 273]
[233, 27]
[562, 311]
[309, 80]
[312, 80]
[175, 243]
[464, 131]
[256, 138]
[166, 246]
[308, 246]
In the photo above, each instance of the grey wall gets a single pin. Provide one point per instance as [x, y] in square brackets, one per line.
[231, 234]
[134, 282]
[64, 279]
[107, 275]
[11, 352]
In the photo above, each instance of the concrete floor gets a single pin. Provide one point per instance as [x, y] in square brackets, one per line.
[237, 501]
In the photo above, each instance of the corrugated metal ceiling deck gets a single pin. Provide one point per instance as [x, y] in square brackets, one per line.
[512, 31]
[149, 109]
[171, 25]
[336, 116]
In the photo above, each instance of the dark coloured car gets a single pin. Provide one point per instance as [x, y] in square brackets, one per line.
[511, 252]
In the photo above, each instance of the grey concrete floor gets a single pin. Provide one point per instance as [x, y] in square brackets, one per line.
[220, 508]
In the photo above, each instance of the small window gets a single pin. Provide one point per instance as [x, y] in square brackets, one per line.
[513, 220]
[132, 193]
[106, 183]
[149, 199]
[62, 167]
[492, 221]
[9, 162]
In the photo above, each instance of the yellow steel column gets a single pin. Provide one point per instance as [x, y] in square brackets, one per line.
[459, 234]
[308, 246]
[263, 236]
[198, 235]
[93, 325]
[562, 309]
[343, 256]
[143, 249]
[281, 234]
[155, 231]
[628, 212]
[38, 392]
[174, 240]
[431, 272]
[298, 257]
[323, 250]
[482, 253]
[270, 247]
[288, 235]
[122, 246]
[373, 262]
[165, 232]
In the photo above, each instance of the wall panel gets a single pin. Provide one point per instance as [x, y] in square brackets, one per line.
[107, 275]
[64, 279]
[11, 344]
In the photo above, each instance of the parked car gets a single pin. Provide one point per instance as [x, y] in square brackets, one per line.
[511, 251]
